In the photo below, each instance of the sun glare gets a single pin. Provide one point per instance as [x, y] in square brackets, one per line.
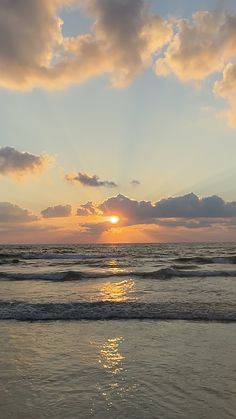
[114, 219]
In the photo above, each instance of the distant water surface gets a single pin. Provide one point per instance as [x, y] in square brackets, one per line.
[189, 282]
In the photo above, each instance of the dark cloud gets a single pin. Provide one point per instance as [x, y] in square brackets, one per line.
[87, 209]
[95, 229]
[122, 205]
[92, 181]
[191, 206]
[57, 211]
[16, 163]
[187, 206]
[135, 182]
[193, 223]
[10, 213]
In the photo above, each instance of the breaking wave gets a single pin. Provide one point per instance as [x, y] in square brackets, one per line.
[113, 310]
[74, 256]
[58, 255]
[202, 260]
[161, 274]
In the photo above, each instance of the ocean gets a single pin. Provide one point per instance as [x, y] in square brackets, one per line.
[118, 331]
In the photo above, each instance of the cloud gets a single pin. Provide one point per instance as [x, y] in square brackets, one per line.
[95, 229]
[129, 208]
[200, 47]
[57, 211]
[193, 224]
[135, 182]
[191, 206]
[187, 206]
[10, 213]
[129, 34]
[29, 36]
[92, 181]
[124, 39]
[16, 163]
[34, 52]
[87, 209]
[226, 88]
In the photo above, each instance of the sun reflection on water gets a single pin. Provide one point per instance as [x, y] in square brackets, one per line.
[110, 356]
[114, 268]
[114, 384]
[117, 291]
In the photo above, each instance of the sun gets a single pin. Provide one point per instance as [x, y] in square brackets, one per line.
[114, 219]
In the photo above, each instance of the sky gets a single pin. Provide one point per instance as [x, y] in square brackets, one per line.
[122, 108]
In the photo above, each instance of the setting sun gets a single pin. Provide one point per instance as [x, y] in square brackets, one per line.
[114, 219]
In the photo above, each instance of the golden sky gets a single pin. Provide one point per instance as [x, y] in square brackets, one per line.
[117, 121]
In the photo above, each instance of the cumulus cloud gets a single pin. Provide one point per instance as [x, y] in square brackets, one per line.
[191, 206]
[10, 213]
[16, 163]
[87, 209]
[57, 211]
[34, 52]
[92, 181]
[187, 206]
[200, 47]
[29, 36]
[129, 208]
[124, 39]
[129, 34]
[203, 46]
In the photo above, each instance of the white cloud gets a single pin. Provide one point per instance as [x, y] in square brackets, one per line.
[34, 52]
[200, 47]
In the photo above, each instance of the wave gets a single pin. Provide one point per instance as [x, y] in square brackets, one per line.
[208, 260]
[169, 273]
[161, 274]
[9, 255]
[66, 256]
[113, 310]
[8, 262]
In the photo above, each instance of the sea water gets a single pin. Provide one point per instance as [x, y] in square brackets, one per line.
[118, 331]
